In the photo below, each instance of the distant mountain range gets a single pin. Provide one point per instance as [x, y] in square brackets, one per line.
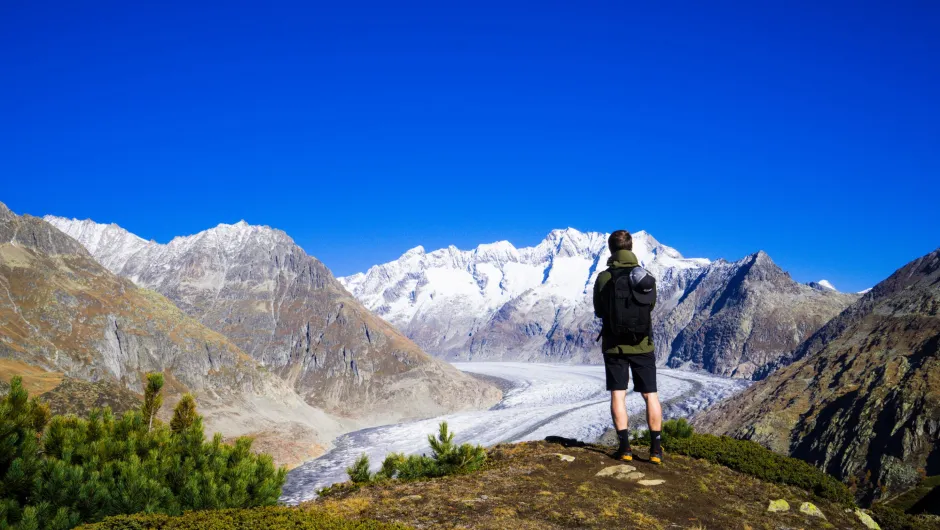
[534, 303]
[64, 319]
[285, 309]
[268, 340]
[862, 394]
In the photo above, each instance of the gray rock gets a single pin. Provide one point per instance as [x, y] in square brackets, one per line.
[614, 471]
[867, 520]
[812, 510]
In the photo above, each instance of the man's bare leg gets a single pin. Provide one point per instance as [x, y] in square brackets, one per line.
[618, 409]
[654, 411]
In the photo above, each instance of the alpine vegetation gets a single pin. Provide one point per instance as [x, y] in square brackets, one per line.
[447, 458]
[60, 471]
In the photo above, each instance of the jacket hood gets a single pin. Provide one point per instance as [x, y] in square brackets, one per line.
[622, 258]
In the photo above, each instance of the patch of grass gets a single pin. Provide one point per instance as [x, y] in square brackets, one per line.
[702, 486]
[509, 493]
[269, 518]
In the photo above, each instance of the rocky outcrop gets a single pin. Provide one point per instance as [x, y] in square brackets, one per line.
[284, 308]
[862, 394]
[737, 319]
[498, 302]
[64, 314]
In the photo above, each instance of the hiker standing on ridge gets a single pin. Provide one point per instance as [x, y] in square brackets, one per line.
[624, 297]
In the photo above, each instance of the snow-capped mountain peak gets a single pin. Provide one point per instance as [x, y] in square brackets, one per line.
[126, 254]
[462, 290]
[823, 285]
[109, 243]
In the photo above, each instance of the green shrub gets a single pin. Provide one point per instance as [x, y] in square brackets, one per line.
[415, 467]
[753, 459]
[676, 429]
[269, 518]
[57, 473]
[390, 466]
[446, 458]
[749, 458]
[359, 472]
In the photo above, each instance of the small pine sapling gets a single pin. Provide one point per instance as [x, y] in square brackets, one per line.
[359, 472]
[678, 429]
[153, 399]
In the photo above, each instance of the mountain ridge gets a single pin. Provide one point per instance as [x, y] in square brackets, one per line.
[860, 394]
[68, 317]
[499, 302]
[285, 309]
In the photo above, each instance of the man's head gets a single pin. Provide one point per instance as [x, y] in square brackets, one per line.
[620, 240]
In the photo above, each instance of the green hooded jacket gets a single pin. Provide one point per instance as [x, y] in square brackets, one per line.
[621, 259]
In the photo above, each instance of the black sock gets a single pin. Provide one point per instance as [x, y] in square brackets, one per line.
[624, 437]
[655, 441]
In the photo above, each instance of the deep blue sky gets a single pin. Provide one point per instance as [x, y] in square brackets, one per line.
[810, 130]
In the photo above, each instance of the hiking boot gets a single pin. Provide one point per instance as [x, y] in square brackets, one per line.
[624, 454]
[656, 457]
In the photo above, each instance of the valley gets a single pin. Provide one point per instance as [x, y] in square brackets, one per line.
[543, 400]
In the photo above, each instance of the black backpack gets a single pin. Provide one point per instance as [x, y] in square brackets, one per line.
[626, 316]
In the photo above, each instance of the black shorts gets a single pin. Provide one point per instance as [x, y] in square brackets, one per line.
[619, 365]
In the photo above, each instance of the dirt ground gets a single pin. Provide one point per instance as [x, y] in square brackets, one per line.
[527, 486]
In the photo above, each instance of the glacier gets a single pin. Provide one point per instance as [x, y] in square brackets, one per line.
[543, 400]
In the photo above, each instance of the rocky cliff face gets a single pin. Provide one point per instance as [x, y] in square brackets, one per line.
[62, 315]
[534, 304]
[864, 392]
[286, 310]
[737, 319]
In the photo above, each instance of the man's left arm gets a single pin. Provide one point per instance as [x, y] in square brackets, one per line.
[600, 308]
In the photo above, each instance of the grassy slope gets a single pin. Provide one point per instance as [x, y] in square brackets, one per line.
[525, 486]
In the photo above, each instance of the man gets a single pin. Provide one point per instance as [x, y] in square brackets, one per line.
[624, 297]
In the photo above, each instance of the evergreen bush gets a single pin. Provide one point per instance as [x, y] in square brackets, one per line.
[359, 472]
[753, 459]
[61, 471]
[447, 458]
[268, 518]
[890, 518]
[677, 428]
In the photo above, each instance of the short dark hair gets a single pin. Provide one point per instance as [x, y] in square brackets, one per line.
[620, 240]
